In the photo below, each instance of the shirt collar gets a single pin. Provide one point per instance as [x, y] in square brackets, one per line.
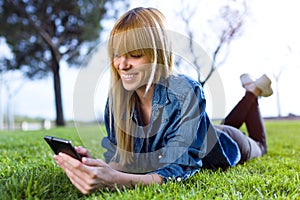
[160, 95]
[159, 98]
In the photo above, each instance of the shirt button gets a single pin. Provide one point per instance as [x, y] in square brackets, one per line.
[160, 156]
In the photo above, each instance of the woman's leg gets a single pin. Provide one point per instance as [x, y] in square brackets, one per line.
[238, 114]
[248, 147]
[247, 111]
[255, 127]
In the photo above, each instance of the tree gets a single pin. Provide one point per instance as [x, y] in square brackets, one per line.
[1, 112]
[228, 24]
[277, 78]
[12, 83]
[277, 72]
[43, 33]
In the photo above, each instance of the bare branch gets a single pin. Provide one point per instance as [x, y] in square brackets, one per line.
[231, 18]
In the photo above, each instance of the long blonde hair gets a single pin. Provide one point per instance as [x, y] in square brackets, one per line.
[142, 30]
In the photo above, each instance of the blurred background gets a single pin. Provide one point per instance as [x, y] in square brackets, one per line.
[44, 43]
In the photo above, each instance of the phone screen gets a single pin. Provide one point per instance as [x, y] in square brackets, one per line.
[62, 145]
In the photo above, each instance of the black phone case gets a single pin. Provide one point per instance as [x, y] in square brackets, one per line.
[62, 145]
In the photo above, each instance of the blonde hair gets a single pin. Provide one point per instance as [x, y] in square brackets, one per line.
[140, 30]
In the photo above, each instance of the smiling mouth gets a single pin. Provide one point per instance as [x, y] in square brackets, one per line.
[128, 76]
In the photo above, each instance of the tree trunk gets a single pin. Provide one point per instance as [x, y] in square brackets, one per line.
[278, 99]
[1, 113]
[10, 113]
[58, 99]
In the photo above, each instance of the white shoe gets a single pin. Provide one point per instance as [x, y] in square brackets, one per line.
[246, 79]
[263, 83]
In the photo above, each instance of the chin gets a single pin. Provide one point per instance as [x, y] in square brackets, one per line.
[132, 86]
[129, 88]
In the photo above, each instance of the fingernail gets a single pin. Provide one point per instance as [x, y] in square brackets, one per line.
[84, 160]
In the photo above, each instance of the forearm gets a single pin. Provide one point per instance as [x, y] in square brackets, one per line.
[130, 180]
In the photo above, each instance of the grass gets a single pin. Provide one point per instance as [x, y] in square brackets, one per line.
[27, 171]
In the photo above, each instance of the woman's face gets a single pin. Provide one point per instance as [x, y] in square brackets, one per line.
[134, 69]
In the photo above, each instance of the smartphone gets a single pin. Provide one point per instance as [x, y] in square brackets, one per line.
[62, 145]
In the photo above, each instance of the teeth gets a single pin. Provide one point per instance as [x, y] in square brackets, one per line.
[128, 76]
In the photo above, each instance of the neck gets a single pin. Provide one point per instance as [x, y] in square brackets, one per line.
[145, 99]
[145, 104]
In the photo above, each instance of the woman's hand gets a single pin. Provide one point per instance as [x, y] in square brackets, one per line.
[83, 152]
[92, 174]
[88, 175]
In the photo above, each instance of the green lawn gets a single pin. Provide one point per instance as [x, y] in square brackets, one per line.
[27, 171]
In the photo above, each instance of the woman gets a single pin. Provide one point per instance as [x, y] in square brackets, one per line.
[158, 129]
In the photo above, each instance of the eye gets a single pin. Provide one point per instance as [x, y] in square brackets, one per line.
[136, 55]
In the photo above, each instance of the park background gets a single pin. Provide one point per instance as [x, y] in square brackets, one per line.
[268, 43]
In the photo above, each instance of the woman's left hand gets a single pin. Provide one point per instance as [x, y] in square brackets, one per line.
[88, 175]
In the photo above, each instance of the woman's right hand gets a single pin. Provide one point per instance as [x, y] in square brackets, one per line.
[83, 152]
[93, 174]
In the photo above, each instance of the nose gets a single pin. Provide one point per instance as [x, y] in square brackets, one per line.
[123, 62]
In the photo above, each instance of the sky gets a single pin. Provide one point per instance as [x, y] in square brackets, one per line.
[268, 44]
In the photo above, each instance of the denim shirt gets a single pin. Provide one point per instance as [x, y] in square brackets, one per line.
[180, 138]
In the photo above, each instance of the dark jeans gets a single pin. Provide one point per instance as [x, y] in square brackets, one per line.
[246, 111]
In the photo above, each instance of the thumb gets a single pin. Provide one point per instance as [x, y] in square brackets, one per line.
[93, 162]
